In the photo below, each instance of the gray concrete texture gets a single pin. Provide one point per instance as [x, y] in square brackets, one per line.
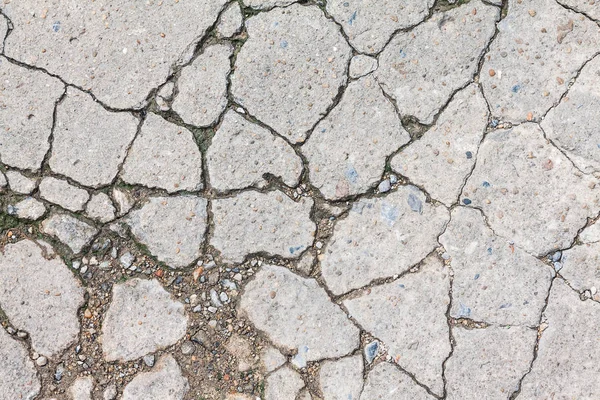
[299, 200]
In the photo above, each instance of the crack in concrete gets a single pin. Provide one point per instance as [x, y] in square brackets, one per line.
[516, 393]
[586, 15]
[275, 183]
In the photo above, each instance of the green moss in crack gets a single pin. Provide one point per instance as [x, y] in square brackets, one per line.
[203, 137]
[445, 5]
[8, 222]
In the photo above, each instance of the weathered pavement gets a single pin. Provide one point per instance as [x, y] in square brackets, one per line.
[285, 200]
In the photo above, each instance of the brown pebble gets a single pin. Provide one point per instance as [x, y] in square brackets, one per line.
[492, 72]
[532, 13]
[87, 313]
[273, 294]
[529, 116]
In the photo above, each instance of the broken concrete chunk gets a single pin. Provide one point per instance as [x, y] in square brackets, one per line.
[568, 356]
[45, 304]
[231, 21]
[590, 234]
[202, 86]
[518, 172]
[142, 318]
[122, 56]
[283, 384]
[527, 70]
[100, 208]
[347, 150]
[443, 157]
[164, 97]
[306, 262]
[123, 200]
[64, 194]
[81, 389]
[272, 359]
[410, 69]
[19, 183]
[164, 156]
[573, 123]
[241, 348]
[71, 231]
[19, 377]
[484, 266]
[411, 321]
[164, 381]
[110, 393]
[581, 267]
[290, 96]
[381, 237]
[370, 24]
[28, 208]
[89, 142]
[488, 363]
[296, 314]
[385, 379]
[27, 99]
[361, 65]
[241, 153]
[342, 379]
[253, 222]
[172, 228]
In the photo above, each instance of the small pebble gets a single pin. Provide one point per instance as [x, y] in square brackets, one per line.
[59, 372]
[371, 351]
[556, 256]
[41, 361]
[299, 360]
[214, 298]
[126, 260]
[187, 348]
[149, 360]
[557, 266]
[384, 186]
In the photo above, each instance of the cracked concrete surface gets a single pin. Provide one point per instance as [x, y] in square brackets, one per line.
[299, 200]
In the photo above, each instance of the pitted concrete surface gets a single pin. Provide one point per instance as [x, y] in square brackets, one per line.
[299, 200]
